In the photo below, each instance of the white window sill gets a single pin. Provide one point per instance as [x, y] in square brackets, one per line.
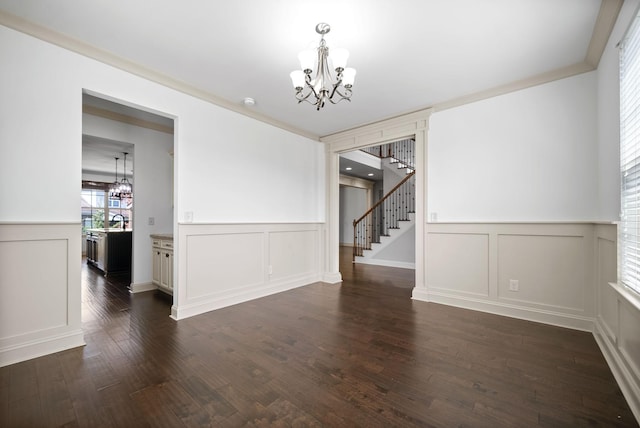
[626, 293]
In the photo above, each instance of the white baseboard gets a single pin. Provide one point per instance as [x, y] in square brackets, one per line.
[626, 380]
[388, 263]
[332, 277]
[229, 299]
[575, 322]
[142, 287]
[38, 348]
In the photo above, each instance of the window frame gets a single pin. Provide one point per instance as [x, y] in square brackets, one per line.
[629, 234]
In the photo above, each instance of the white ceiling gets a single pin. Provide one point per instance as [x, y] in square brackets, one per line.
[98, 157]
[409, 54]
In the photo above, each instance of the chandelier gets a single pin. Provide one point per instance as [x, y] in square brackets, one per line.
[323, 87]
[115, 186]
[121, 189]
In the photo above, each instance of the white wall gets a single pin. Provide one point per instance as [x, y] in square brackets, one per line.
[43, 111]
[400, 252]
[234, 169]
[529, 155]
[152, 185]
[228, 167]
[353, 203]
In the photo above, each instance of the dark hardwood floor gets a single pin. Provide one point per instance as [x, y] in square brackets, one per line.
[360, 354]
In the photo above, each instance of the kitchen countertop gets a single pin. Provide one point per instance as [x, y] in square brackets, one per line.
[165, 236]
[109, 230]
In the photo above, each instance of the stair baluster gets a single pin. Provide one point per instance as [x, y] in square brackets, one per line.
[395, 206]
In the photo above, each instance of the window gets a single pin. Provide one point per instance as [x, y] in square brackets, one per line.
[96, 206]
[630, 157]
[92, 206]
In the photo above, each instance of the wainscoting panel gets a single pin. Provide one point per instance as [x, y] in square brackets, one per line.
[551, 271]
[293, 254]
[629, 336]
[225, 264]
[607, 297]
[448, 252]
[470, 265]
[617, 327]
[26, 285]
[39, 290]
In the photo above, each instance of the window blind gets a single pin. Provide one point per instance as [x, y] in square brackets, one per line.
[630, 157]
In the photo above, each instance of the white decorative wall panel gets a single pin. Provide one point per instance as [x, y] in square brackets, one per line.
[629, 336]
[293, 253]
[550, 270]
[607, 297]
[39, 290]
[617, 327]
[458, 262]
[43, 289]
[471, 264]
[223, 263]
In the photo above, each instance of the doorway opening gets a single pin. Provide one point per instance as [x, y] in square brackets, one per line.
[414, 126]
[377, 204]
[110, 130]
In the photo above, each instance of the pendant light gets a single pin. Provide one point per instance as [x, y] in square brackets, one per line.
[114, 192]
[126, 190]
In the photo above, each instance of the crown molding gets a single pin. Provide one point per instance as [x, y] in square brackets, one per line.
[22, 25]
[607, 16]
[550, 76]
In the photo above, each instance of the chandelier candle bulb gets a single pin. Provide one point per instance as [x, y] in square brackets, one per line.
[297, 77]
[348, 76]
[307, 60]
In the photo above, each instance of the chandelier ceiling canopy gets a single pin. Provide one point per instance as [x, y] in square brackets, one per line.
[323, 86]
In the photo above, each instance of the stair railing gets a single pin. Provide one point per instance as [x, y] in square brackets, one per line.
[402, 151]
[385, 214]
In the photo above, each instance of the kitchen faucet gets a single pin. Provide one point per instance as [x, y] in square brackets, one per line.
[121, 221]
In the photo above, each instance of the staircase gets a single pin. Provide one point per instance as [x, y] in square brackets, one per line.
[389, 218]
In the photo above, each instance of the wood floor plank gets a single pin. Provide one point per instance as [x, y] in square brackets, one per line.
[55, 400]
[358, 354]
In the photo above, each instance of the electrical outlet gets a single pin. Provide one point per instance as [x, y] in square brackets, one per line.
[188, 217]
[514, 285]
[152, 221]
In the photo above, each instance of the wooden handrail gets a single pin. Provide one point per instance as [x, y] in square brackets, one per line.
[401, 151]
[404, 180]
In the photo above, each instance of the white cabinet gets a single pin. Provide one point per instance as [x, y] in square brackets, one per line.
[166, 270]
[157, 257]
[163, 263]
